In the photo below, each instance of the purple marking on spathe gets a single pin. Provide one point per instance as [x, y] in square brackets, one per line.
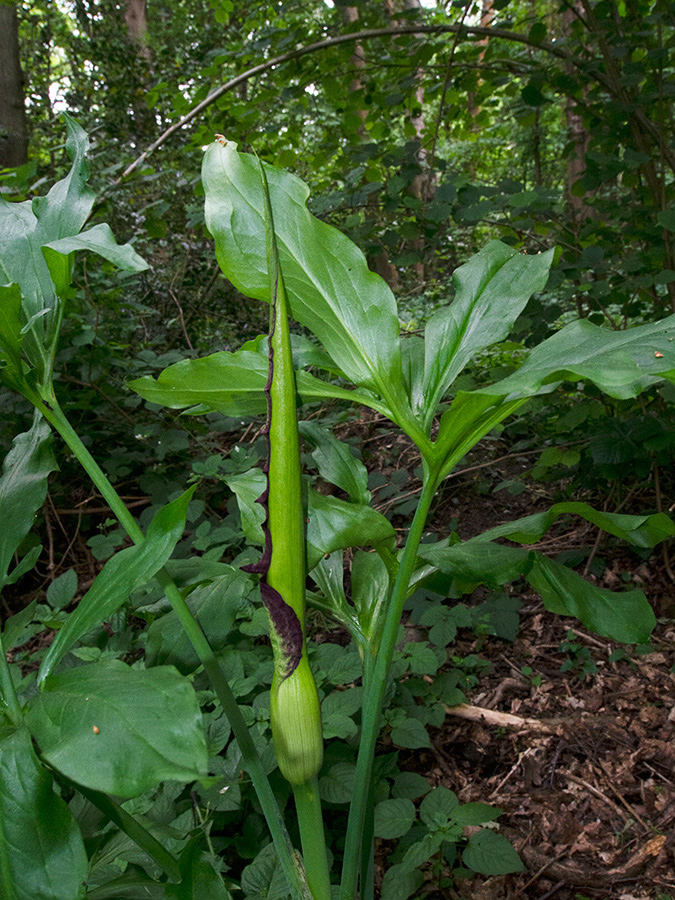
[283, 617]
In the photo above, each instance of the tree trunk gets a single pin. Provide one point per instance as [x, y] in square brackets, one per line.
[379, 262]
[578, 137]
[137, 27]
[13, 127]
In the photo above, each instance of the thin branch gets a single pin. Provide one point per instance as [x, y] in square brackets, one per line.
[393, 31]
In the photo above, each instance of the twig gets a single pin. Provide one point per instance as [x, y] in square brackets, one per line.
[500, 719]
[182, 320]
[92, 510]
[521, 757]
[630, 809]
[475, 30]
[598, 793]
[589, 638]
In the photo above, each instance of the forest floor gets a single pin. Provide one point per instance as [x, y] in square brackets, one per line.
[584, 770]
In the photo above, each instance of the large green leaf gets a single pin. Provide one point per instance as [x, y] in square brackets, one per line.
[621, 363]
[370, 585]
[620, 616]
[11, 369]
[42, 856]
[472, 563]
[119, 730]
[330, 288]
[125, 572]
[641, 531]
[491, 290]
[335, 524]
[98, 239]
[27, 227]
[214, 605]
[234, 383]
[471, 416]
[23, 488]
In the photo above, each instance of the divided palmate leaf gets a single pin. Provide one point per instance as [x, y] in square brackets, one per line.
[23, 488]
[491, 290]
[43, 857]
[127, 570]
[120, 730]
[330, 288]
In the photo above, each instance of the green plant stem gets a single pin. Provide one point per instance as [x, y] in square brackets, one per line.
[133, 828]
[55, 416]
[7, 690]
[310, 823]
[373, 702]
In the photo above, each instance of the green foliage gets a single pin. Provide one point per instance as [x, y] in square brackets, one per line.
[43, 855]
[171, 713]
[124, 748]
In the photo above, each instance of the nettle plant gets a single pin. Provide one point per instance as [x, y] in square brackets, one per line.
[104, 733]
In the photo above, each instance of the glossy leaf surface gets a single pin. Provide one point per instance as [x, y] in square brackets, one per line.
[11, 370]
[120, 730]
[42, 856]
[491, 290]
[23, 488]
[234, 384]
[621, 363]
[335, 524]
[640, 531]
[621, 616]
[126, 571]
[336, 463]
[53, 221]
[330, 288]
